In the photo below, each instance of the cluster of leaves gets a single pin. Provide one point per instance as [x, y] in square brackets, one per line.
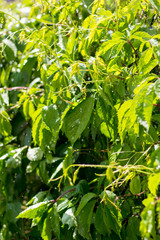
[80, 120]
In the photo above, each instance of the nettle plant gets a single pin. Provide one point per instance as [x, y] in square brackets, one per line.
[79, 120]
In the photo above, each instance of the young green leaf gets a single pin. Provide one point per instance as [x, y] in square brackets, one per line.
[153, 183]
[135, 185]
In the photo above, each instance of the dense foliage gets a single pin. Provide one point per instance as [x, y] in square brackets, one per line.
[80, 120]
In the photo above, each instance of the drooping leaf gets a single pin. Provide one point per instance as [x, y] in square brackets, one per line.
[135, 185]
[153, 183]
[101, 221]
[84, 219]
[77, 119]
[5, 125]
[157, 88]
[10, 50]
[69, 218]
[145, 105]
[34, 211]
[50, 116]
[85, 199]
[55, 222]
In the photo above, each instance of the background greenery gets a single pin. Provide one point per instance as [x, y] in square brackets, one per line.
[79, 120]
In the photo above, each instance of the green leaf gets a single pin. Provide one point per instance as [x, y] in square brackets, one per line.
[76, 120]
[155, 157]
[36, 126]
[84, 219]
[153, 183]
[157, 88]
[101, 221]
[71, 42]
[85, 199]
[12, 210]
[50, 117]
[34, 211]
[46, 233]
[147, 224]
[122, 119]
[55, 221]
[149, 66]
[156, 4]
[69, 218]
[10, 50]
[15, 158]
[135, 185]
[142, 36]
[133, 228]
[145, 105]
[34, 154]
[145, 58]
[68, 160]
[39, 197]
[5, 125]
[57, 170]
[26, 108]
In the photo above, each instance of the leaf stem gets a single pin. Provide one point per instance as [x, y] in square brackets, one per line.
[56, 200]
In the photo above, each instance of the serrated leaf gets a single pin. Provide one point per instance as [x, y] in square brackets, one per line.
[149, 66]
[45, 137]
[156, 4]
[68, 160]
[145, 105]
[85, 199]
[34, 211]
[46, 233]
[84, 219]
[142, 36]
[5, 125]
[147, 224]
[57, 170]
[10, 50]
[153, 183]
[112, 217]
[100, 221]
[39, 197]
[55, 222]
[145, 58]
[69, 218]
[157, 88]
[122, 119]
[35, 129]
[50, 117]
[34, 154]
[135, 185]
[77, 119]
[71, 42]
[26, 108]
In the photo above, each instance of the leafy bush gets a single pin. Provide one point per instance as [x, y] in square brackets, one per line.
[80, 120]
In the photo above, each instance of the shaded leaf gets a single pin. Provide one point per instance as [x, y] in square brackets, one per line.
[77, 119]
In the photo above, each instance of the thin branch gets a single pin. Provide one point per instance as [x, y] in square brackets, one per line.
[131, 195]
[133, 48]
[71, 190]
[17, 88]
